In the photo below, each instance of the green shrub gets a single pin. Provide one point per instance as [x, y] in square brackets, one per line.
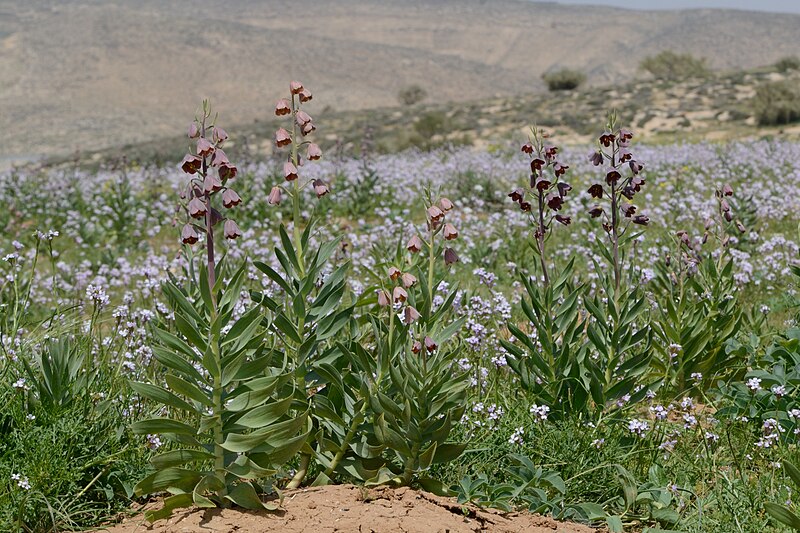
[564, 79]
[669, 65]
[787, 63]
[777, 103]
[413, 94]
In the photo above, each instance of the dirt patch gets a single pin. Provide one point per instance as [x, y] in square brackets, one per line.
[345, 508]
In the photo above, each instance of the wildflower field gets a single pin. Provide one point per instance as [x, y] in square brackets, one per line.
[605, 334]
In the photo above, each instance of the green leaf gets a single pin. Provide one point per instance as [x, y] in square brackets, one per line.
[782, 515]
[161, 395]
[190, 390]
[614, 524]
[169, 478]
[434, 486]
[265, 415]
[245, 496]
[274, 276]
[179, 457]
[162, 425]
[448, 452]
[177, 363]
[177, 501]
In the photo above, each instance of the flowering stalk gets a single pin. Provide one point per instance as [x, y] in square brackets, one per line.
[546, 192]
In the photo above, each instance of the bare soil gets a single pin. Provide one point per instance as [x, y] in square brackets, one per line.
[346, 508]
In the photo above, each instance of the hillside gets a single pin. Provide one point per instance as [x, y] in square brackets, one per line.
[91, 74]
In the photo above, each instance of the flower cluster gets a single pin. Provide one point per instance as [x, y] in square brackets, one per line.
[211, 170]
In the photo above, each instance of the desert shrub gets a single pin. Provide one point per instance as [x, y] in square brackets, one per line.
[788, 63]
[413, 94]
[669, 65]
[777, 103]
[564, 79]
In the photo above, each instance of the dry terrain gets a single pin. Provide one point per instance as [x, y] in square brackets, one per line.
[89, 74]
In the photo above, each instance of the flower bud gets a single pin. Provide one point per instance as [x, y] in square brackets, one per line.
[740, 227]
[189, 234]
[283, 107]
[191, 164]
[450, 256]
[295, 87]
[204, 147]
[274, 196]
[408, 280]
[194, 131]
[305, 95]
[313, 152]
[197, 208]
[410, 315]
[211, 183]
[231, 230]
[282, 137]
[219, 135]
[394, 273]
[450, 232]
[399, 294]
[289, 171]
[230, 198]
[320, 188]
[414, 244]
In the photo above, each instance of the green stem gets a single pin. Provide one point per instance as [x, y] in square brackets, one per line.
[408, 472]
[347, 438]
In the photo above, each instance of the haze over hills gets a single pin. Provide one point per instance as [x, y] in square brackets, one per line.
[92, 74]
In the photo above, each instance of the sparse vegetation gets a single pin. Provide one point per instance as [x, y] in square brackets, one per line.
[564, 79]
[672, 66]
[788, 63]
[413, 94]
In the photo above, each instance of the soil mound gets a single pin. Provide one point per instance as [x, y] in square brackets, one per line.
[346, 508]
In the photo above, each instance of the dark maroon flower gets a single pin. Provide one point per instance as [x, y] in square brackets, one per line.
[197, 208]
[516, 195]
[274, 196]
[430, 345]
[727, 190]
[550, 151]
[596, 211]
[414, 244]
[211, 183]
[283, 107]
[635, 166]
[642, 220]
[563, 188]
[434, 213]
[308, 127]
[637, 182]
[320, 188]
[541, 184]
[410, 315]
[628, 209]
[191, 164]
[231, 230]
[189, 234]
[313, 152]
[289, 171]
[282, 137]
[394, 273]
[416, 347]
[628, 192]
[607, 138]
[525, 206]
[560, 169]
[537, 164]
[596, 158]
[564, 220]
[554, 201]
[596, 190]
[230, 198]
[204, 147]
[612, 176]
[527, 148]
[625, 155]
[450, 256]
[227, 171]
[625, 135]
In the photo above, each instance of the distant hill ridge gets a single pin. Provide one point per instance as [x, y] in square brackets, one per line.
[88, 74]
